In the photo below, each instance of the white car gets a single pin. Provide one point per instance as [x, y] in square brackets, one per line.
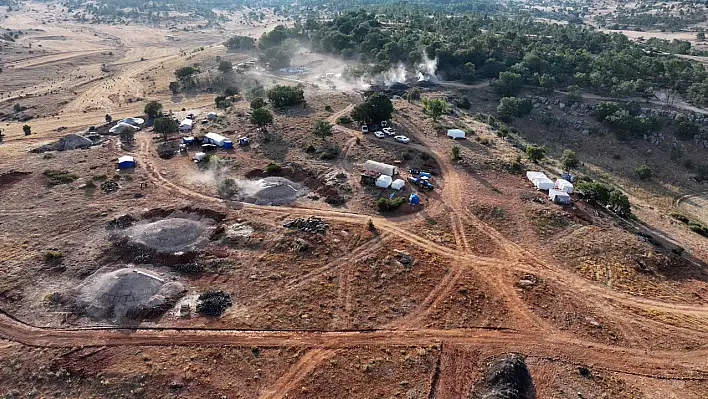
[402, 139]
[364, 129]
[379, 134]
[389, 131]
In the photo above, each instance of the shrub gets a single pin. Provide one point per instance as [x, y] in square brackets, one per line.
[282, 96]
[358, 140]
[213, 303]
[100, 177]
[328, 108]
[698, 228]
[57, 177]
[464, 103]
[389, 205]
[27, 129]
[413, 94]
[153, 109]
[679, 216]
[222, 102]
[570, 160]
[272, 167]
[344, 120]
[644, 172]
[258, 103]
[330, 153]
[370, 225]
[535, 153]
[261, 117]
[53, 257]
[455, 152]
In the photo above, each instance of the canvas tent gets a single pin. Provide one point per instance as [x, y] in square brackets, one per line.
[398, 184]
[186, 125]
[384, 169]
[126, 162]
[456, 133]
[543, 183]
[564, 185]
[384, 181]
[559, 197]
[217, 139]
[532, 175]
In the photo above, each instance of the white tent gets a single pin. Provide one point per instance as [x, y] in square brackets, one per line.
[564, 185]
[215, 138]
[120, 127]
[186, 125]
[559, 197]
[456, 133]
[532, 175]
[384, 169]
[383, 181]
[543, 183]
[398, 184]
[199, 156]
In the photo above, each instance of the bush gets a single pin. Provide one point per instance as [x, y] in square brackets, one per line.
[261, 117]
[283, 96]
[413, 94]
[644, 172]
[464, 103]
[258, 103]
[535, 153]
[153, 109]
[510, 107]
[455, 152]
[698, 228]
[389, 205]
[225, 66]
[53, 257]
[330, 153]
[344, 120]
[272, 167]
[57, 177]
[213, 303]
[679, 216]
[27, 130]
[570, 160]
[222, 102]
[328, 108]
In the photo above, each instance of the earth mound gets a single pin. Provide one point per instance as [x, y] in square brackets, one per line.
[506, 377]
[69, 142]
[167, 235]
[270, 191]
[126, 292]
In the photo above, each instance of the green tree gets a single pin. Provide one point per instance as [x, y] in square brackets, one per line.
[435, 107]
[547, 82]
[17, 108]
[603, 109]
[231, 91]
[240, 43]
[570, 160]
[261, 117]
[510, 107]
[644, 172]
[508, 84]
[686, 129]
[413, 94]
[535, 153]
[109, 118]
[455, 152]
[222, 102]
[322, 129]
[164, 125]
[258, 103]
[185, 73]
[27, 129]
[174, 87]
[575, 94]
[376, 108]
[153, 109]
[283, 96]
[225, 66]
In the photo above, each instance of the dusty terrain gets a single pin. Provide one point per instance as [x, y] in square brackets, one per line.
[415, 308]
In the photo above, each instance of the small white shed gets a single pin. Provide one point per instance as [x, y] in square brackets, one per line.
[564, 185]
[398, 184]
[543, 183]
[559, 197]
[384, 169]
[456, 133]
[384, 181]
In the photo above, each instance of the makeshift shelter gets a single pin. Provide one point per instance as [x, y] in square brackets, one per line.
[456, 133]
[384, 181]
[564, 185]
[559, 197]
[384, 169]
[398, 184]
[186, 125]
[136, 122]
[218, 140]
[414, 199]
[211, 115]
[543, 183]
[126, 162]
[532, 175]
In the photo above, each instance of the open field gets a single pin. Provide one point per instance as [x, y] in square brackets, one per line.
[407, 304]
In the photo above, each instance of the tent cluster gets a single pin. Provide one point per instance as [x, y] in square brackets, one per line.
[558, 191]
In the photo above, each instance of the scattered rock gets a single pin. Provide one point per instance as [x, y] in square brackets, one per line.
[312, 224]
[109, 186]
[506, 377]
[405, 257]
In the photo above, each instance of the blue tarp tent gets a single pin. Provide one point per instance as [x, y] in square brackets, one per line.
[414, 199]
[126, 162]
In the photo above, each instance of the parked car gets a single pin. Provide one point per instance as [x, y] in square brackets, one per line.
[402, 139]
[379, 134]
[384, 124]
[389, 131]
[364, 129]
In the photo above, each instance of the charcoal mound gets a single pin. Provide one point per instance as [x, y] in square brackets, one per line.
[126, 292]
[506, 377]
[168, 235]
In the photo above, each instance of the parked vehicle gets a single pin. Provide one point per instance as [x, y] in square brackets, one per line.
[420, 182]
[364, 129]
[421, 173]
[379, 134]
[389, 131]
[402, 139]
[384, 124]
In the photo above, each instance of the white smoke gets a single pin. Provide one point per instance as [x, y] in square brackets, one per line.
[395, 75]
[426, 69]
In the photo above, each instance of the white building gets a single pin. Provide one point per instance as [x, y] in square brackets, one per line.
[378, 167]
